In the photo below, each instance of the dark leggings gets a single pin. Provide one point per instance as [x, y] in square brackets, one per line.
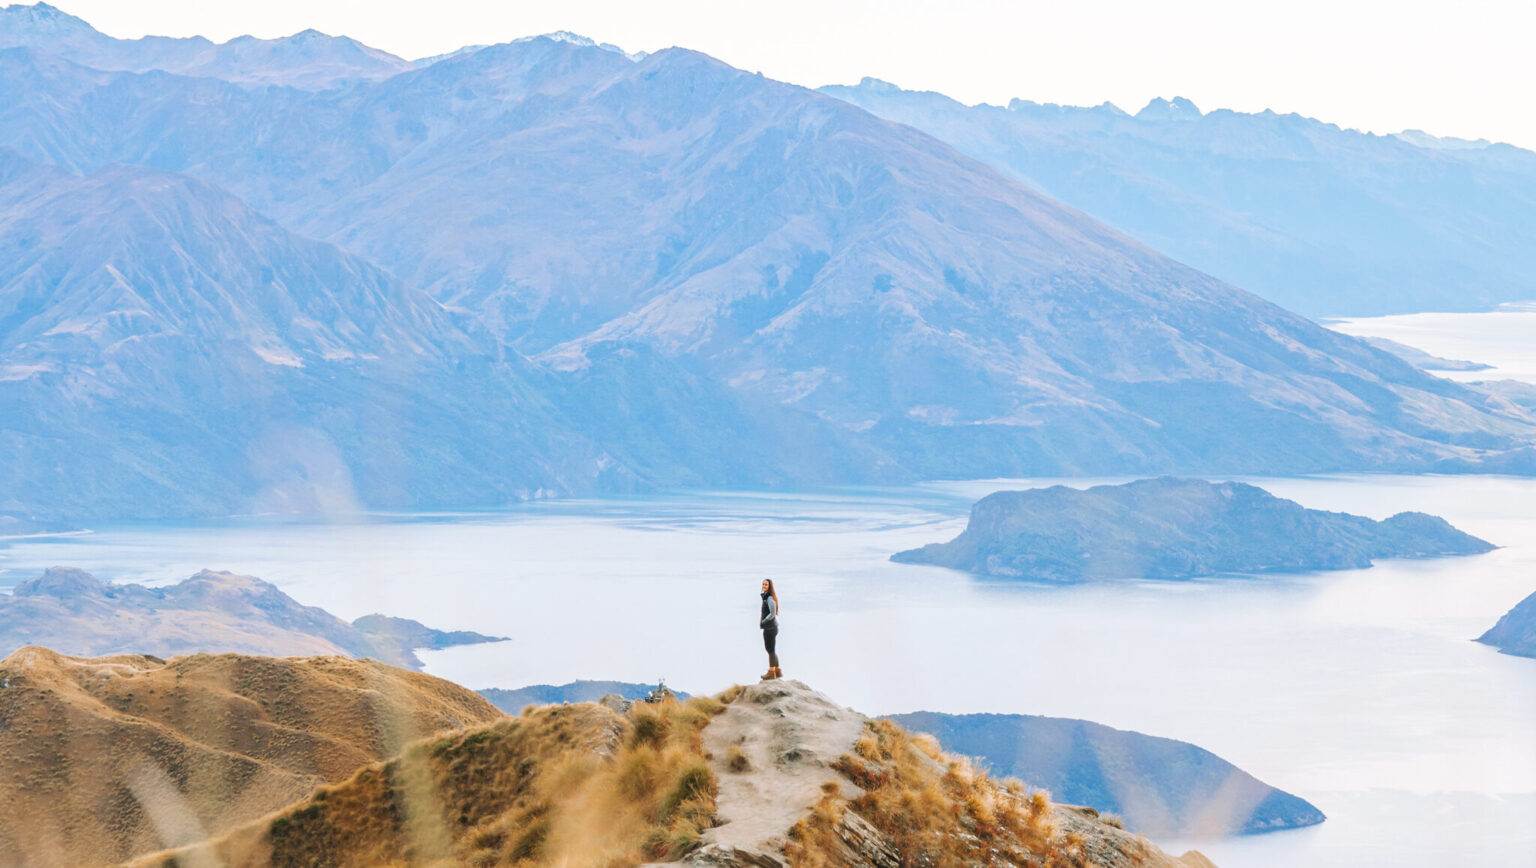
[770, 638]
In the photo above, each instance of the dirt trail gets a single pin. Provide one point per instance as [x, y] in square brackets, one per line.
[790, 734]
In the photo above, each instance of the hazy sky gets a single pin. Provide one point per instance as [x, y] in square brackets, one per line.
[1465, 68]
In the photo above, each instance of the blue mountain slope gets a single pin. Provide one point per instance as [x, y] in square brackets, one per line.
[726, 280]
[1316, 218]
[165, 351]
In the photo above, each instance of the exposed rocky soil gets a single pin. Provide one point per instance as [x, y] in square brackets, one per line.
[789, 735]
[780, 752]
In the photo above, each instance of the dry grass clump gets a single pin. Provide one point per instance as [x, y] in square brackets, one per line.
[736, 759]
[575, 784]
[933, 809]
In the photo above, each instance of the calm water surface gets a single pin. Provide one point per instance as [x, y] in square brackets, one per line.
[1504, 338]
[1358, 690]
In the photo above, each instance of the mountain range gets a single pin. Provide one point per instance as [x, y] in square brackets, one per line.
[1319, 219]
[164, 349]
[548, 267]
[309, 60]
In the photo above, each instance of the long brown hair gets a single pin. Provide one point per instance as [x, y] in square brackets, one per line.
[773, 592]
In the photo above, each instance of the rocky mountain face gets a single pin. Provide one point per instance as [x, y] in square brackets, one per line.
[1515, 633]
[1171, 528]
[126, 256]
[1158, 786]
[1319, 219]
[548, 267]
[73, 610]
[103, 759]
[309, 60]
[166, 350]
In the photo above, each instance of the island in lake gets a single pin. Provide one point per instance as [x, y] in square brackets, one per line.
[1515, 633]
[1171, 528]
[77, 613]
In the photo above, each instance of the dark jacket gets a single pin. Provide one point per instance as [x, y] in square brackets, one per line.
[769, 617]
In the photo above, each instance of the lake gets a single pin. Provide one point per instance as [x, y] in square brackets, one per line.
[1504, 338]
[1360, 690]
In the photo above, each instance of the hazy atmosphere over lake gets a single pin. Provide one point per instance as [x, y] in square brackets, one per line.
[391, 403]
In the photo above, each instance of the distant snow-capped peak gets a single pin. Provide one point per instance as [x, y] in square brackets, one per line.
[1177, 108]
[570, 38]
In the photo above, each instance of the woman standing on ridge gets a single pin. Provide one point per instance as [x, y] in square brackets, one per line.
[768, 619]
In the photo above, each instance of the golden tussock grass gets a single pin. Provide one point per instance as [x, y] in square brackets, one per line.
[933, 809]
[103, 759]
[736, 759]
[573, 784]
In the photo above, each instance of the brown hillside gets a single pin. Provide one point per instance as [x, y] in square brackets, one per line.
[105, 758]
[583, 784]
[928, 808]
[772, 774]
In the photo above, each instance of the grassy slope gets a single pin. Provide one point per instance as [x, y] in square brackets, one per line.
[104, 758]
[921, 806]
[582, 784]
[586, 784]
